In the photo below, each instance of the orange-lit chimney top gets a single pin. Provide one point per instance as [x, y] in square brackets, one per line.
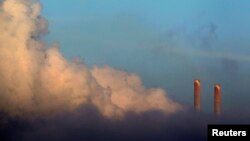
[197, 101]
[217, 99]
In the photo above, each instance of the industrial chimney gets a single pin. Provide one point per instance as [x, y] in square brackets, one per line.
[197, 101]
[217, 98]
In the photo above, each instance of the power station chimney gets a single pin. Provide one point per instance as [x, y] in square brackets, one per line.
[217, 99]
[197, 99]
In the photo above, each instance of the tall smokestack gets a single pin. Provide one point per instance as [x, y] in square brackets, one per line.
[197, 101]
[217, 98]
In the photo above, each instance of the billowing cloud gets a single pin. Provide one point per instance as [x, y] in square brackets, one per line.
[36, 80]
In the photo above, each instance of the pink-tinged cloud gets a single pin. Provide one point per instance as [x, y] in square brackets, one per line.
[37, 80]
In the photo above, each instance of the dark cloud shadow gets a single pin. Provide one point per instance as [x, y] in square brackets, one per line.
[88, 124]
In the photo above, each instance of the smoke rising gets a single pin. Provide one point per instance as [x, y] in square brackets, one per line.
[37, 80]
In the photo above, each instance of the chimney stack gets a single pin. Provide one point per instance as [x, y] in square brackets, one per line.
[217, 99]
[197, 101]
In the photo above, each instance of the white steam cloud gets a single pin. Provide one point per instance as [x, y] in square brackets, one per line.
[39, 81]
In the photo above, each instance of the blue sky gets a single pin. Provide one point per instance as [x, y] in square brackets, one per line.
[167, 42]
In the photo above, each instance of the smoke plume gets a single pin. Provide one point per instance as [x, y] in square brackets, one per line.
[37, 80]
